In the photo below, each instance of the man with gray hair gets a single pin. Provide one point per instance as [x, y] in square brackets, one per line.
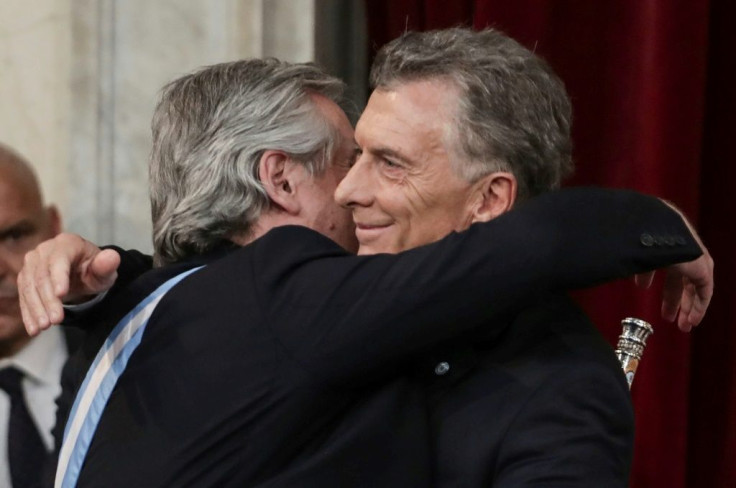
[461, 127]
[287, 361]
[213, 131]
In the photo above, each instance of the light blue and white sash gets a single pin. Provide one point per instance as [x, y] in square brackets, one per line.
[101, 378]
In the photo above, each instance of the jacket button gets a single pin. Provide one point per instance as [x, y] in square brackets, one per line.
[647, 240]
[669, 240]
[442, 368]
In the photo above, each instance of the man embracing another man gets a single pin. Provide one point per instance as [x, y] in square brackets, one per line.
[444, 354]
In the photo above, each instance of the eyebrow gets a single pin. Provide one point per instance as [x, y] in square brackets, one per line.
[354, 154]
[23, 227]
[392, 153]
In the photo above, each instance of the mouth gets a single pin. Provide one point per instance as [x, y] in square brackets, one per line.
[367, 232]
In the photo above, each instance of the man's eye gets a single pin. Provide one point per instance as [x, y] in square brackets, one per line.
[14, 237]
[391, 164]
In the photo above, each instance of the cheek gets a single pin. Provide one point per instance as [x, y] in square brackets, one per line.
[400, 202]
[414, 213]
[428, 221]
[12, 261]
[336, 218]
[13, 253]
[422, 197]
[340, 228]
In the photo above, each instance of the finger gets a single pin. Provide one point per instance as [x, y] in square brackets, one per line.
[704, 289]
[102, 271]
[644, 280]
[30, 322]
[671, 295]
[69, 265]
[699, 291]
[686, 306]
[697, 312]
[54, 286]
[58, 266]
[42, 264]
[699, 299]
[32, 311]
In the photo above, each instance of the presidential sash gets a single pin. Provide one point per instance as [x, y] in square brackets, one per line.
[100, 381]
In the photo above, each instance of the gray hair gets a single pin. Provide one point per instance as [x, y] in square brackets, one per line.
[210, 129]
[514, 113]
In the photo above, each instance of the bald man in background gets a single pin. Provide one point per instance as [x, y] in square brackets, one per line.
[30, 368]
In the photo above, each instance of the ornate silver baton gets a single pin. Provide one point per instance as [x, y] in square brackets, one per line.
[631, 344]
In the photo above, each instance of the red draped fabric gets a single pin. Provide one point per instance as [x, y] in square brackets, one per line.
[652, 82]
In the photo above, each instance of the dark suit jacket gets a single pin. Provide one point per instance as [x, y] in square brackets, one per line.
[287, 362]
[73, 339]
[543, 404]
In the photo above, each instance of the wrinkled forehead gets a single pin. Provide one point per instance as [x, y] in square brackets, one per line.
[418, 103]
[415, 120]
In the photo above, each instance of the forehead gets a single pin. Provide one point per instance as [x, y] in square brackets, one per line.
[411, 118]
[19, 194]
[425, 92]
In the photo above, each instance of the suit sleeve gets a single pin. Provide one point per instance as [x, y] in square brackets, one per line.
[342, 316]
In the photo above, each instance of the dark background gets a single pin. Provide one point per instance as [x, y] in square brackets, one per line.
[652, 83]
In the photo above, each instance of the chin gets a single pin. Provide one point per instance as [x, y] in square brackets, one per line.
[365, 251]
[368, 250]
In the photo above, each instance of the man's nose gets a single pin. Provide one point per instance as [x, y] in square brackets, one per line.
[5, 264]
[352, 190]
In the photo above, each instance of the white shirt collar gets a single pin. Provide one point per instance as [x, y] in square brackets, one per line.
[39, 357]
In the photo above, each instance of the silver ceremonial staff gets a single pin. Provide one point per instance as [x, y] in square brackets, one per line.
[631, 344]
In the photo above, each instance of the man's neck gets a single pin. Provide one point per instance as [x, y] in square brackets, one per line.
[267, 222]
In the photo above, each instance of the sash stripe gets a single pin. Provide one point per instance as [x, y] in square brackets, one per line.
[100, 381]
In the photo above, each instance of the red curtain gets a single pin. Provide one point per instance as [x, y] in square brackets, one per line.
[652, 86]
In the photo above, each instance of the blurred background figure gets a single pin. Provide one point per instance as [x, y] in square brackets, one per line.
[30, 368]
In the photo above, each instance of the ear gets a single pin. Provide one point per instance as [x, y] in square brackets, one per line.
[275, 171]
[495, 195]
